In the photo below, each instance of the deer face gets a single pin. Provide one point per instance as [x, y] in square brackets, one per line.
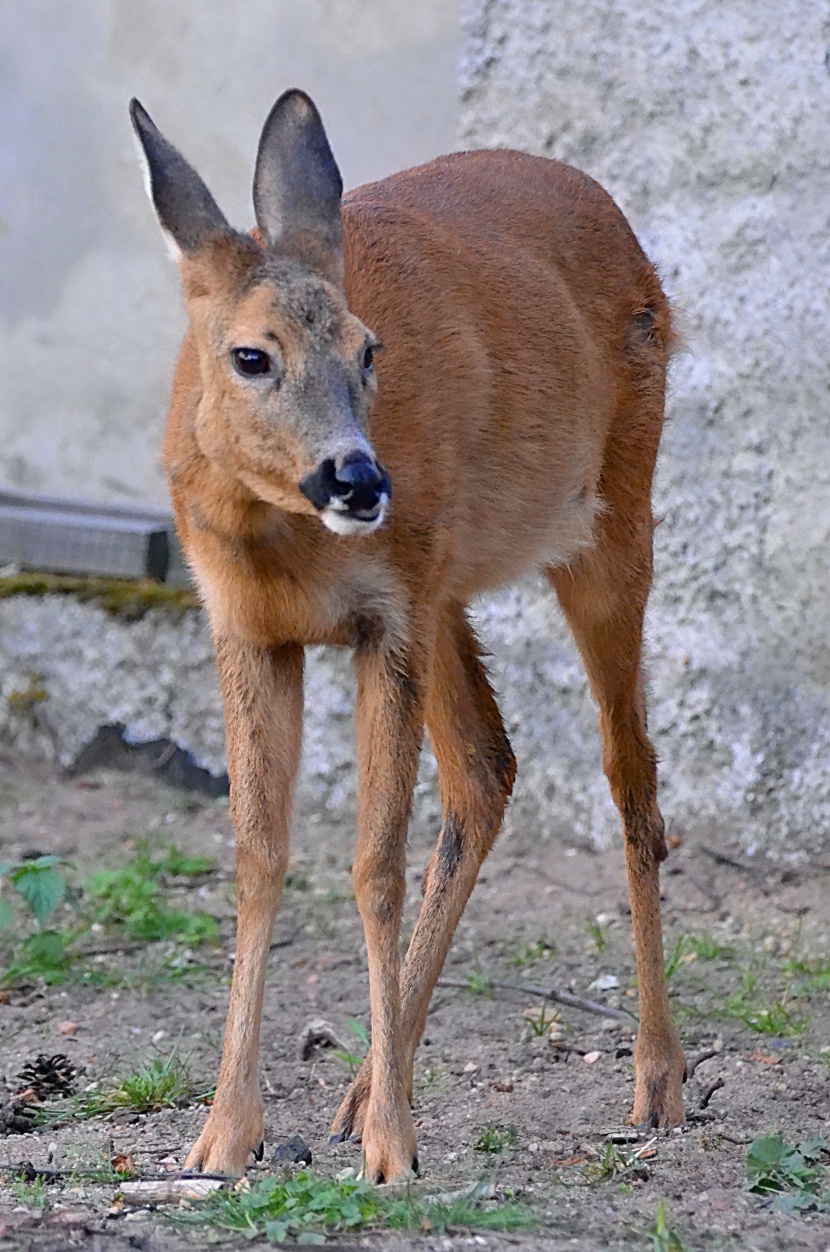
[287, 370]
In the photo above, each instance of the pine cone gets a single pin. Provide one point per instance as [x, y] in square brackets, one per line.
[47, 1076]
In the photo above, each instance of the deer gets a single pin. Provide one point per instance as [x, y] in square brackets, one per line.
[386, 403]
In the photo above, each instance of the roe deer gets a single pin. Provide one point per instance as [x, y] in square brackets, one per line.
[510, 424]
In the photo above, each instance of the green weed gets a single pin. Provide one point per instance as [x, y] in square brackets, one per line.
[763, 1016]
[597, 935]
[495, 1139]
[480, 984]
[663, 1237]
[307, 1208]
[809, 974]
[39, 887]
[45, 955]
[129, 899]
[541, 950]
[354, 1059]
[794, 1176]
[705, 948]
[32, 1194]
[433, 1078]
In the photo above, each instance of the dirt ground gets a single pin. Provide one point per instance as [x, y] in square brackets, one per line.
[750, 944]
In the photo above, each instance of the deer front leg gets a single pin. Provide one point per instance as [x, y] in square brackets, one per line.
[389, 725]
[263, 697]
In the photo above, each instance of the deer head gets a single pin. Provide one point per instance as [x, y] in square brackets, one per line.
[286, 369]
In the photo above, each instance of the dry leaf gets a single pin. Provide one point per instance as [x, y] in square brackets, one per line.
[124, 1164]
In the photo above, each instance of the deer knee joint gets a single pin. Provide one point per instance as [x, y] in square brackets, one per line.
[645, 832]
[379, 892]
[449, 850]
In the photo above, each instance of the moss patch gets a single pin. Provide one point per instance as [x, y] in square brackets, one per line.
[126, 599]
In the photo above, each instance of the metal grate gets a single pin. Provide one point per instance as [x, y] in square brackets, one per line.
[76, 537]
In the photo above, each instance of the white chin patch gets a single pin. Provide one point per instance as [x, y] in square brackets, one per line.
[339, 520]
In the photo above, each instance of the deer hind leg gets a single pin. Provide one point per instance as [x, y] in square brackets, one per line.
[263, 713]
[603, 597]
[476, 771]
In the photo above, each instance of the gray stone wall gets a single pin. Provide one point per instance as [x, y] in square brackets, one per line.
[709, 124]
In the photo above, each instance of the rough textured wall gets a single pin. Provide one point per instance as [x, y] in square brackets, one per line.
[709, 124]
[89, 303]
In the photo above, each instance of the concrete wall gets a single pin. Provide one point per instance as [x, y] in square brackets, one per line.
[710, 124]
[89, 305]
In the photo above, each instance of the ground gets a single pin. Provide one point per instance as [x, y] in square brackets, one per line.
[748, 945]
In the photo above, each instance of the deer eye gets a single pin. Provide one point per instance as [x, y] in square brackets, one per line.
[250, 361]
[369, 358]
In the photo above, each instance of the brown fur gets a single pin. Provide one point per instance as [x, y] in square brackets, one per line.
[519, 405]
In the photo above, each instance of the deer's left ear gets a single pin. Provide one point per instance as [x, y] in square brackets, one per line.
[297, 185]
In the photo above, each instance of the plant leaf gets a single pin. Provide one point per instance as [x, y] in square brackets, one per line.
[40, 886]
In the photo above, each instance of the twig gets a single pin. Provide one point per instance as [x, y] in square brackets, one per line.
[721, 858]
[556, 994]
[692, 1065]
[111, 949]
[707, 1094]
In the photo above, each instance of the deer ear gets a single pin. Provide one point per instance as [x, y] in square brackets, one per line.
[186, 210]
[297, 185]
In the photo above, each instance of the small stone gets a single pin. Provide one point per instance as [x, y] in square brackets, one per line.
[470, 1068]
[67, 1028]
[590, 1057]
[292, 1152]
[605, 982]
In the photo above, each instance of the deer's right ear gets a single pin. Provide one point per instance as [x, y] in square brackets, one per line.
[186, 210]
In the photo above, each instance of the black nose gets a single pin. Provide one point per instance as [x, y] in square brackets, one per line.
[359, 482]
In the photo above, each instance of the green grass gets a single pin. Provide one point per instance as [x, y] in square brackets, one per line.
[597, 935]
[542, 950]
[673, 960]
[353, 1060]
[796, 1177]
[495, 1139]
[480, 984]
[705, 948]
[308, 1207]
[612, 1163]
[538, 1021]
[131, 898]
[662, 1236]
[748, 1005]
[160, 1083]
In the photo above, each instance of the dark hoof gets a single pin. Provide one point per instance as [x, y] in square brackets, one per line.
[416, 1169]
[340, 1137]
[292, 1152]
[259, 1150]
